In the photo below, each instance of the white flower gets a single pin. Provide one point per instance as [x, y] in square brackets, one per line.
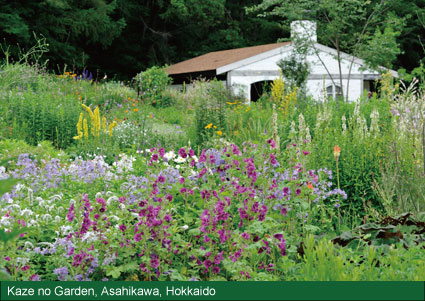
[111, 199]
[114, 217]
[185, 227]
[28, 244]
[90, 237]
[56, 197]
[179, 160]
[19, 187]
[22, 260]
[4, 221]
[66, 230]
[170, 155]
[46, 217]
[57, 219]
[32, 223]
[27, 211]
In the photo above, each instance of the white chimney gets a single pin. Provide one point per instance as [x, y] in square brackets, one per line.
[305, 30]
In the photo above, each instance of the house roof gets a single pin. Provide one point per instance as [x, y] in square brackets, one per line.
[217, 59]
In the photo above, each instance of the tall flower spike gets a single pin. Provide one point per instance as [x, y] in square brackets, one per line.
[86, 129]
[91, 117]
[97, 122]
[104, 124]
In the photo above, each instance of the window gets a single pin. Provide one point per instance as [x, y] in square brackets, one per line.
[334, 91]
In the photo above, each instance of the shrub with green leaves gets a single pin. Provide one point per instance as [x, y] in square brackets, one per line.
[151, 85]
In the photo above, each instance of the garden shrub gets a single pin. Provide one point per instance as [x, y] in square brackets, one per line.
[210, 112]
[152, 84]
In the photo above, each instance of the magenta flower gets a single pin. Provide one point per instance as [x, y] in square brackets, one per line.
[138, 237]
[71, 214]
[216, 270]
[123, 228]
[154, 261]
[245, 235]
[182, 153]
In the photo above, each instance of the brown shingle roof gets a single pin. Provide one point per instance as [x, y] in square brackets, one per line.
[214, 60]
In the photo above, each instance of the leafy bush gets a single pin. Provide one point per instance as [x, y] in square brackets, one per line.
[152, 83]
[210, 112]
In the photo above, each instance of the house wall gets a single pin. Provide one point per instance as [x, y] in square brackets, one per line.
[242, 77]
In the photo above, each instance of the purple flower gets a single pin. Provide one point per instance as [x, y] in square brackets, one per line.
[123, 228]
[207, 263]
[61, 273]
[284, 211]
[216, 270]
[71, 214]
[154, 261]
[35, 277]
[306, 153]
[245, 235]
[278, 236]
[298, 191]
[138, 237]
[182, 153]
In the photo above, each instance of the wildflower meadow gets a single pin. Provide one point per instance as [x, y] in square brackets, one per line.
[105, 180]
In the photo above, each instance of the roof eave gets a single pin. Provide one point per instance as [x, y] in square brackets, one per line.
[253, 59]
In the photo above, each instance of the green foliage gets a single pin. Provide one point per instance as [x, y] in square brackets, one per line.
[152, 84]
[386, 41]
[210, 114]
[11, 149]
[294, 71]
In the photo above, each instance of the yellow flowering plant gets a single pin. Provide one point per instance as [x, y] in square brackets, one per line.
[96, 124]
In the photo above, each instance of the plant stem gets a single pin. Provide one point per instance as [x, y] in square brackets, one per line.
[337, 173]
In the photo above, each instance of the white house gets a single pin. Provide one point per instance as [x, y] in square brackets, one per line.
[245, 69]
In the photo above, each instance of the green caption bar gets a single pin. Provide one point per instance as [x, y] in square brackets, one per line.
[212, 291]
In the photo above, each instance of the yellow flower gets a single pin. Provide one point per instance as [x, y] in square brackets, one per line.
[96, 122]
[91, 117]
[136, 110]
[219, 133]
[111, 126]
[104, 124]
[79, 126]
[209, 126]
[86, 128]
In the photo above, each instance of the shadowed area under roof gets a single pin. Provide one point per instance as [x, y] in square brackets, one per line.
[216, 59]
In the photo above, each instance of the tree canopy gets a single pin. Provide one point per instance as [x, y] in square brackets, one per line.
[124, 37]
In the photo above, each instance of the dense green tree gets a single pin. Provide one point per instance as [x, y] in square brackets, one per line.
[351, 26]
[70, 26]
[124, 37]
